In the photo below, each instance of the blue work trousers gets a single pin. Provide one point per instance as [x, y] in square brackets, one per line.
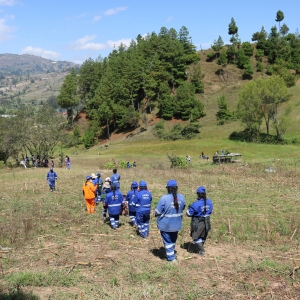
[169, 240]
[143, 220]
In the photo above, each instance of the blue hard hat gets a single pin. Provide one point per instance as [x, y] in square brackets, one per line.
[143, 183]
[201, 189]
[171, 182]
[99, 174]
[88, 177]
[51, 169]
[134, 184]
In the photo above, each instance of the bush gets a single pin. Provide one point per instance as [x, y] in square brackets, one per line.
[88, 138]
[178, 162]
[123, 164]
[159, 129]
[109, 165]
[190, 130]
[2, 164]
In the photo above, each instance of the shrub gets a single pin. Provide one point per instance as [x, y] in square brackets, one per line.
[190, 130]
[109, 165]
[123, 164]
[178, 162]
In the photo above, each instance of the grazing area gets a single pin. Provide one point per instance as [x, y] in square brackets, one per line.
[52, 249]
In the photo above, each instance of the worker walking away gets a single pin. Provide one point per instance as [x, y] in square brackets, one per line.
[130, 197]
[105, 190]
[114, 202]
[115, 178]
[142, 203]
[99, 188]
[200, 212]
[51, 177]
[88, 191]
[169, 218]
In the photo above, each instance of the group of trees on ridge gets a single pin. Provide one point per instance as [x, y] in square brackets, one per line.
[151, 73]
[281, 48]
[162, 71]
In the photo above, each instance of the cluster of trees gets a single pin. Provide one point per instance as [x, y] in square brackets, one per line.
[151, 73]
[281, 48]
[259, 101]
[29, 133]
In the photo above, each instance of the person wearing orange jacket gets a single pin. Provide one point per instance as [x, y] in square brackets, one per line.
[88, 191]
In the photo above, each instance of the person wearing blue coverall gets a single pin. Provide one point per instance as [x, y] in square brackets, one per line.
[142, 203]
[51, 177]
[115, 178]
[115, 203]
[200, 212]
[131, 195]
[99, 182]
[169, 218]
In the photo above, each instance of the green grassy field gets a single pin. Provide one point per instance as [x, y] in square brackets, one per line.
[52, 249]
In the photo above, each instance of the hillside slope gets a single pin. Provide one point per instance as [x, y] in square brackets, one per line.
[14, 64]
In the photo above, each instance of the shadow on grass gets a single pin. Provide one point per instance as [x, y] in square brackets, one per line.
[18, 295]
[190, 247]
[159, 252]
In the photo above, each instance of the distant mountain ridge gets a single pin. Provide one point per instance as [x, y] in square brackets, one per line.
[15, 64]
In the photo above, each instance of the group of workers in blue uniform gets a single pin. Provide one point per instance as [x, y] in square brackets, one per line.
[137, 203]
[168, 211]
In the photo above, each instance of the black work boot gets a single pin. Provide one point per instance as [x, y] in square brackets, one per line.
[200, 249]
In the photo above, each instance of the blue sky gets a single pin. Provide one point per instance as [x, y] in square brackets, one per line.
[75, 30]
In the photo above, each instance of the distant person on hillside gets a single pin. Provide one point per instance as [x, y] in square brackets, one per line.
[128, 165]
[130, 197]
[33, 161]
[169, 218]
[134, 164]
[88, 191]
[68, 162]
[200, 212]
[52, 163]
[115, 178]
[51, 177]
[114, 201]
[142, 204]
[27, 161]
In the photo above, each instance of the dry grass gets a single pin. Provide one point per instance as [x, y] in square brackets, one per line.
[60, 252]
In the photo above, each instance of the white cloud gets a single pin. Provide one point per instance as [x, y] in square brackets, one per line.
[77, 17]
[7, 2]
[86, 43]
[5, 31]
[113, 11]
[41, 52]
[170, 18]
[97, 18]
